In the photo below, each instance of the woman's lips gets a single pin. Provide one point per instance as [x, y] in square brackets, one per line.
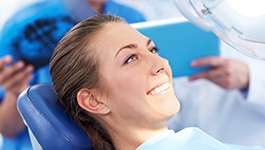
[159, 89]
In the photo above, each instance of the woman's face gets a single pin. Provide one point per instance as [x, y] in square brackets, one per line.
[137, 82]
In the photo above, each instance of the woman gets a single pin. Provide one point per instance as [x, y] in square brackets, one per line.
[110, 80]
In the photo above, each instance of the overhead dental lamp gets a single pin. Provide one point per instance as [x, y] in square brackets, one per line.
[240, 24]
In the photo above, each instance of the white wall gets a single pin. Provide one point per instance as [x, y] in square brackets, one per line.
[8, 7]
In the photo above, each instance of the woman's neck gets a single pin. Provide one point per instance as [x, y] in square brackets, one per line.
[131, 138]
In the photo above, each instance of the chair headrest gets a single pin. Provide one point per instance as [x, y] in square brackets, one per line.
[38, 105]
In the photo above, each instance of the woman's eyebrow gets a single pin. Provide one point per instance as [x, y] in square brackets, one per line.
[148, 42]
[131, 46]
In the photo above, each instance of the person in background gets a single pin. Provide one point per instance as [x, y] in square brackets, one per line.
[131, 15]
[82, 9]
[13, 79]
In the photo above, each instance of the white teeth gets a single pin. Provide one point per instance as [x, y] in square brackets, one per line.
[161, 89]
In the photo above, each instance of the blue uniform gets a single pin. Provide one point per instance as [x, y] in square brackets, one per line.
[129, 14]
[22, 142]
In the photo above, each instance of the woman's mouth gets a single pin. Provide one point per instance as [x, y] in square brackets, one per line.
[160, 89]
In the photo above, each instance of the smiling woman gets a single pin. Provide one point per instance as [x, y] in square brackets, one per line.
[97, 84]
[111, 81]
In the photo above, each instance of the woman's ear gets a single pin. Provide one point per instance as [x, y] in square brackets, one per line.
[90, 101]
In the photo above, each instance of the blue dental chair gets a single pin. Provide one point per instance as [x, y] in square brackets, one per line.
[50, 128]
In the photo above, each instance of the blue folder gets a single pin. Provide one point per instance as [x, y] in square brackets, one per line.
[181, 42]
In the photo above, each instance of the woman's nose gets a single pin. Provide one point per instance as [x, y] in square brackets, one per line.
[159, 65]
[159, 70]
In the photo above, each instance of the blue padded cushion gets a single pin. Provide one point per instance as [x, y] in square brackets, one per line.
[52, 128]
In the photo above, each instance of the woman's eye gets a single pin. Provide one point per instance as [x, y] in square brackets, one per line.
[154, 50]
[131, 59]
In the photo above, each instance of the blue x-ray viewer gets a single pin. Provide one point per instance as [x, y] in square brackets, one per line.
[181, 43]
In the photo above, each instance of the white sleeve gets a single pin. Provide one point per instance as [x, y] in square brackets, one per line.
[256, 89]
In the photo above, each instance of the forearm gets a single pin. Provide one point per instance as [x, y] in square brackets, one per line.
[11, 123]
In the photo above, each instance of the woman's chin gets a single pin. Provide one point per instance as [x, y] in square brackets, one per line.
[165, 103]
[171, 107]
[175, 107]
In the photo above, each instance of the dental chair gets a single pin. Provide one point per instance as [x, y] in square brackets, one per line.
[51, 129]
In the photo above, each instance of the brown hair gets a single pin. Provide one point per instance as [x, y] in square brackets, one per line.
[73, 66]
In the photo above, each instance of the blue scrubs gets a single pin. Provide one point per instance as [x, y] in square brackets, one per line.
[129, 14]
[22, 142]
